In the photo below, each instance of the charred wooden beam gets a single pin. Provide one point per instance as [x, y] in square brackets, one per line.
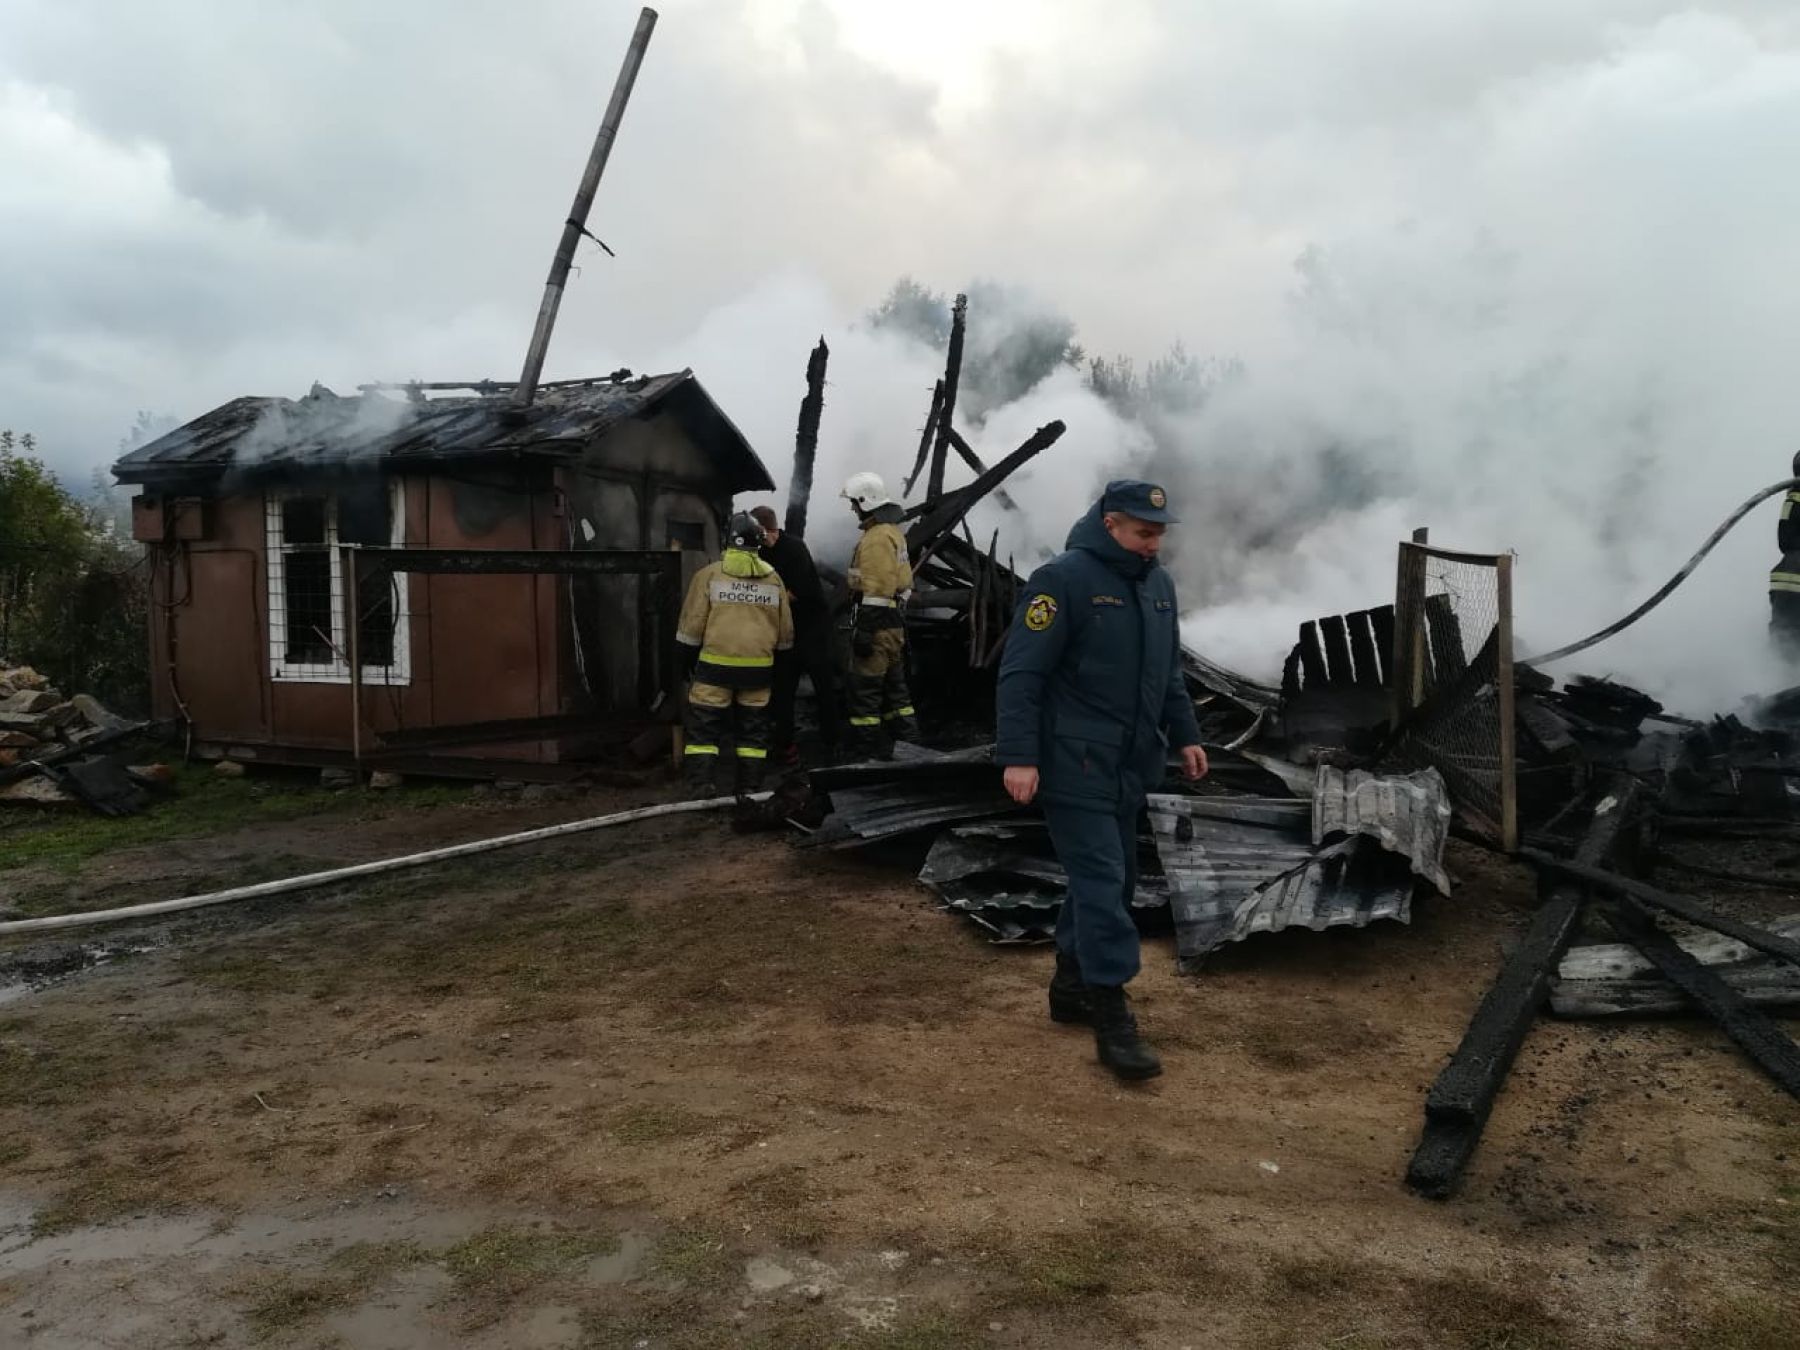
[495, 732]
[967, 454]
[1459, 1102]
[486, 561]
[1362, 649]
[939, 517]
[1334, 633]
[806, 442]
[928, 439]
[959, 313]
[1755, 1033]
[1681, 906]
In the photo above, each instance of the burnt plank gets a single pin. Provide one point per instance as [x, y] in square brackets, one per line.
[1754, 1032]
[1448, 659]
[1681, 906]
[1312, 659]
[1461, 1099]
[1382, 621]
[1334, 635]
[1362, 649]
[483, 561]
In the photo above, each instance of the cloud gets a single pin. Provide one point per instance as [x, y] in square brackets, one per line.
[1520, 271]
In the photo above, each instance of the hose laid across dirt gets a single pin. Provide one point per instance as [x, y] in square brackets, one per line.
[313, 880]
[1724, 529]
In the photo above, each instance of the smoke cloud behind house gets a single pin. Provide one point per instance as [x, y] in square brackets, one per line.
[1522, 272]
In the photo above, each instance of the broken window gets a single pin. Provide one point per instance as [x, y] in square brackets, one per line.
[689, 534]
[309, 632]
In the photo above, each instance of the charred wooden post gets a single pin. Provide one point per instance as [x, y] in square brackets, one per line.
[1755, 1033]
[938, 518]
[959, 313]
[968, 456]
[806, 442]
[1681, 906]
[928, 439]
[1460, 1101]
[576, 224]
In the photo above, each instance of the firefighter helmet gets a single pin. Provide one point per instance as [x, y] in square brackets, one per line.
[744, 531]
[865, 491]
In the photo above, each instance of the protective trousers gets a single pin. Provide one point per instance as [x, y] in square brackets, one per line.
[1784, 623]
[879, 699]
[811, 656]
[1098, 849]
[711, 723]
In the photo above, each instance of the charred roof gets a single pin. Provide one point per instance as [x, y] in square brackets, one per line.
[325, 431]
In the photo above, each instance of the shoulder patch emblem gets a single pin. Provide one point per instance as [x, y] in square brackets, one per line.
[1040, 613]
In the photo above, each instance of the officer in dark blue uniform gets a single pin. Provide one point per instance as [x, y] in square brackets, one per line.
[1091, 702]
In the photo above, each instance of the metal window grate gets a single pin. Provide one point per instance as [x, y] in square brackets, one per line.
[309, 586]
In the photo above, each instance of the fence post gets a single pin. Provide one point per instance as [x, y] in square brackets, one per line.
[1503, 676]
[353, 641]
[1409, 632]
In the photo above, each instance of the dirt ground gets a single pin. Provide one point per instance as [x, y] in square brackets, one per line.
[665, 1086]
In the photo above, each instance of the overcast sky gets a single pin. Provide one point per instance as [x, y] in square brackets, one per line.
[1517, 250]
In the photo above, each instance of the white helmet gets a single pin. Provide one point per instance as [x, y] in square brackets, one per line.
[865, 491]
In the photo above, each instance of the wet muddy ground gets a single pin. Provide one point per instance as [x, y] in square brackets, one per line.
[669, 1086]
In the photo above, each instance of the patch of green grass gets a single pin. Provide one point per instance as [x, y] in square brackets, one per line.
[14, 1150]
[506, 1261]
[1745, 1324]
[1468, 1314]
[693, 1256]
[935, 1330]
[784, 1200]
[202, 803]
[52, 1073]
[283, 1300]
[1317, 1277]
[103, 1188]
[649, 1124]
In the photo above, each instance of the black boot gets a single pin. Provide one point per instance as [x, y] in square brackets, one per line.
[697, 775]
[1116, 1036]
[1069, 1000]
[749, 775]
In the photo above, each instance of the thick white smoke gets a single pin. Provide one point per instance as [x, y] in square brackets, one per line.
[1562, 329]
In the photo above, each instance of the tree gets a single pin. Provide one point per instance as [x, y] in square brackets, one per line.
[72, 595]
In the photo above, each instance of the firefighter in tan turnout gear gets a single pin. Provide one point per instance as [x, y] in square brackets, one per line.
[881, 708]
[734, 620]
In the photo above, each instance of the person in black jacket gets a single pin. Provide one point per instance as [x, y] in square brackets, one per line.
[811, 654]
[1784, 579]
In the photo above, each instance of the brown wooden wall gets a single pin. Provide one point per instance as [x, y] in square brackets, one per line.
[482, 647]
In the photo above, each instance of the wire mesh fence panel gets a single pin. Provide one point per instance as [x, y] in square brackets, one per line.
[1454, 679]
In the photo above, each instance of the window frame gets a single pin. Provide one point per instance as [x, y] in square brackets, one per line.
[337, 670]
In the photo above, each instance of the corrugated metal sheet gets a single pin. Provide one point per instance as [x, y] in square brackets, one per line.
[1238, 867]
[864, 815]
[1005, 878]
[1408, 814]
[324, 430]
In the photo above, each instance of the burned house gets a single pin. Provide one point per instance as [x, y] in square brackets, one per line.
[399, 576]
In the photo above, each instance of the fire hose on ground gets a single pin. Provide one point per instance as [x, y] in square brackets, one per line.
[1593, 639]
[315, 880]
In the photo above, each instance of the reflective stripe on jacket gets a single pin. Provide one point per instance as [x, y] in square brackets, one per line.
[737, 613]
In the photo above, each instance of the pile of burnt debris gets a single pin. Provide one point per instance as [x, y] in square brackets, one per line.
[56, 750]
[1327, 807]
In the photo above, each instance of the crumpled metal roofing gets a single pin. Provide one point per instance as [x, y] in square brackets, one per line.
[1241, 866]
[1408, 814]
[1003, 875]
[324, 430]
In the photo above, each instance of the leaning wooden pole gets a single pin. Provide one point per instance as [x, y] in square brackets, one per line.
[806, 442]
[576, 225]
[934, 487]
